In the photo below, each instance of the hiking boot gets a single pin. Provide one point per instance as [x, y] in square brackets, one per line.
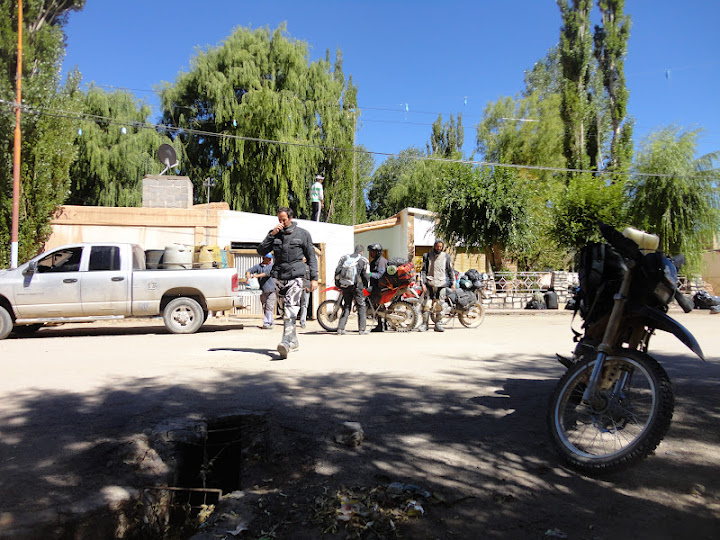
[438, 327]
[424, 325]
[341, 332]
[285, 346]
[380, 327]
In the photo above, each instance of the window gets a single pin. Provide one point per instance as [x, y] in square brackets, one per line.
[104, 258]
[64, 260]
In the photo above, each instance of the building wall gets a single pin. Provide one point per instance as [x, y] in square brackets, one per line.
[712, 273]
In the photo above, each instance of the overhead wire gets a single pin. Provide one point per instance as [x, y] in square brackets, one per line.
[73, 115]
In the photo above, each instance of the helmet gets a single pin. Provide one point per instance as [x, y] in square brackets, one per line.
[374, 247]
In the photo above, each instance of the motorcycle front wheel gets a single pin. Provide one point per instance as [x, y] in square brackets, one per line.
[473, 317]
[328, 314]
[623, 425]
[406, 313]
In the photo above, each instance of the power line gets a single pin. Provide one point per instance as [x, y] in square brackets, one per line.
[58, 113]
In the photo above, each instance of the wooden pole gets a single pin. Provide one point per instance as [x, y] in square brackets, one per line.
[16, 151]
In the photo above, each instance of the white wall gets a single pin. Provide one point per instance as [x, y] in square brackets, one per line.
[247, 227]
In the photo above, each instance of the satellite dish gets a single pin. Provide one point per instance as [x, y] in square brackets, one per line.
[167, 156]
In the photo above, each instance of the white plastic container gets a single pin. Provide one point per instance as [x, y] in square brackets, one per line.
[646, 242]
[177, 256]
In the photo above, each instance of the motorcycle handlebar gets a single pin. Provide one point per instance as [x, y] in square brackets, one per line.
[685, 302]
[626, 247]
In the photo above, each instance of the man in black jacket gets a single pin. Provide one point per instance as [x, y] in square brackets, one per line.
[290, 244]
[359, 266]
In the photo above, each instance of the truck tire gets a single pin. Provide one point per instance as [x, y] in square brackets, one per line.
[6, 323]
[183, 316]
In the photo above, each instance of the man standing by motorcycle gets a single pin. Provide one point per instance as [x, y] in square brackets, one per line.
[351, 275]
[378, 266]
[290, 244]
[436, 276]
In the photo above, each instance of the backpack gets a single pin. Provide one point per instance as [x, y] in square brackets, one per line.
[348, 272]
[600, 274]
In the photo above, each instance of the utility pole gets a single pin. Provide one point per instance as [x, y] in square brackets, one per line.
[16, 150]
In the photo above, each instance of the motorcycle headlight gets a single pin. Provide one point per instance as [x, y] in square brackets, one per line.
[664, 290]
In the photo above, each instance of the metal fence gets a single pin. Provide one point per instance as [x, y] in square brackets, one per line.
[529, 282]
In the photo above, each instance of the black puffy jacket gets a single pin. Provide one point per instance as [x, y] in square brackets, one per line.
[289, 246]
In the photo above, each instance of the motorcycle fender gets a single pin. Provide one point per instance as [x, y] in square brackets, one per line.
[661, 321]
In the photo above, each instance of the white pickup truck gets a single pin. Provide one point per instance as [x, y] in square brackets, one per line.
[94, 281]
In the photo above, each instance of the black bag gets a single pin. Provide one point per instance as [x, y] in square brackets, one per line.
[473, 275]
[600, 273]
[464, 298]
[704, 300]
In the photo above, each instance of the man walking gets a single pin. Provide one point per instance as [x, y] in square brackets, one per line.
[317, 197]
[268, 297]
[378, 265]
[352, 276]
[436, 275]
[290, 244]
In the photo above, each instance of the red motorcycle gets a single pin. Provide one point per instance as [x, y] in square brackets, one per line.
[397, 306]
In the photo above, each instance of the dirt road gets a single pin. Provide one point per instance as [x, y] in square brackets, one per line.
[459, 414]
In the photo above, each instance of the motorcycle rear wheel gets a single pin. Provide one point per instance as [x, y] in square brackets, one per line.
[622, 431]
[328, 314]
[473, 317]
[404, 309]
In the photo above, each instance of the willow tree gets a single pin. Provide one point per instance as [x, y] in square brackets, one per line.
[677, 195]
[255, 114]
[114, 151]
[47, 135]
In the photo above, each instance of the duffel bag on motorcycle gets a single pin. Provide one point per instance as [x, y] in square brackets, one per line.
[395, 276]
[461, 298]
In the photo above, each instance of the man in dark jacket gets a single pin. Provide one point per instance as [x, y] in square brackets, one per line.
[290, 244]
[436, 276]
[378, 266]
[353, 292]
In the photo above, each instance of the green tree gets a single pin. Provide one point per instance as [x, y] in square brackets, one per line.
[575, 59]
[610, 50]
[114, 152]
[679, 200]
[484, 207]
[384, 179]
[259, 85]
[446, 139]
[47, 139]
[577, 208]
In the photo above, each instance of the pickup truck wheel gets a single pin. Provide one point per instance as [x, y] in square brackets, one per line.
[6, 324]
[183, 316]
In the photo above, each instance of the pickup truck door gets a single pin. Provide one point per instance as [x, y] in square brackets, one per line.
[105, 286]
[53, 290]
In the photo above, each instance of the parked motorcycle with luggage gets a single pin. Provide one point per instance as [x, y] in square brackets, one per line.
[615, 403]
[396, 306]
[465, 302]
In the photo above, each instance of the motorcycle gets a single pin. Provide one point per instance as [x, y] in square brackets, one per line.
[466, 304]
[615, 403]
[396, 307]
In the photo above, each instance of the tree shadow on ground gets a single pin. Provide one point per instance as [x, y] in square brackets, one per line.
[481, 441]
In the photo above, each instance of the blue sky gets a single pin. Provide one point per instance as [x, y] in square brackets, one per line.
[437, 57]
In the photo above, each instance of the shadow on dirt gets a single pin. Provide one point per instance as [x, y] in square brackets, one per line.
[481, 442]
